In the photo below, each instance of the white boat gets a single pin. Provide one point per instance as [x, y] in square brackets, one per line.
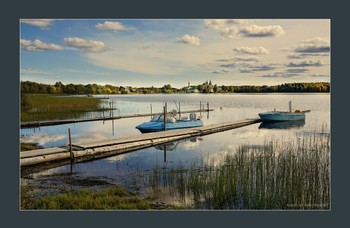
[157, 123]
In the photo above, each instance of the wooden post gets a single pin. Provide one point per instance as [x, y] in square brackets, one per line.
[290, 106]
[179, 111]
[207, 110]
[70, 146]
[112, 119]
[164, 153]
[165, 112]
[151, 110]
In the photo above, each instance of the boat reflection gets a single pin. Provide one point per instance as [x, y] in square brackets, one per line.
[171, 146]
[282, 124]
[168, 146]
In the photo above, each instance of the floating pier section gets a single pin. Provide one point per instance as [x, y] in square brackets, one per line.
[33, 124]
[94, 150]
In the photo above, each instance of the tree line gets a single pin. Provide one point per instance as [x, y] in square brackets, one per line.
[59, 88]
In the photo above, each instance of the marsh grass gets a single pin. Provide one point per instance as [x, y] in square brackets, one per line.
[37, 107]
[292, 175]
[30, 146]
[113, 198]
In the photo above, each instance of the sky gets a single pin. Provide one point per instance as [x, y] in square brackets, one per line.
[155, 52]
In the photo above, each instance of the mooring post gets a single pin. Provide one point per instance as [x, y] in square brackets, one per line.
[70, 146]
[179, 111]
[112, 118]
[151, 110]
[165, 112]
[208, 106]
[164, 153]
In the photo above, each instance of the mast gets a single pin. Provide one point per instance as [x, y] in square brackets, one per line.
[290, 106]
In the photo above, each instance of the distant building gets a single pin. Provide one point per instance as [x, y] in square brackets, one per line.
[191, 89]
[208, 86]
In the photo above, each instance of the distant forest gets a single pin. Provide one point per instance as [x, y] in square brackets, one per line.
[207, 87]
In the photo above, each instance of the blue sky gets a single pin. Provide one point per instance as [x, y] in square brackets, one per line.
[154, 52]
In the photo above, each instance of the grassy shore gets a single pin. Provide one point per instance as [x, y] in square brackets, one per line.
[37, 107]
[292, 175]
[109, 198]
[113, 198]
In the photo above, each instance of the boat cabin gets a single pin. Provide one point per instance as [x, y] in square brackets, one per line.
[160, 118]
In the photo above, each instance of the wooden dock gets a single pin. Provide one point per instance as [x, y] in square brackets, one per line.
[94, 150]
[33, 124]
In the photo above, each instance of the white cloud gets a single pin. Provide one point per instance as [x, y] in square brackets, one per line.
[113, 26]
[85, 45]
[315, 45]
[311, 47]
[246, 59]
[43, 139]
[262, 31]
[316, 40]
[41, 23]
[224, 24]
[297, 70]
[279, 75]
[223, 71]
[229, 65]
[38, 45]
[293, 72]
[259, 67]
[187, 39]
[251, 50]
[306, 63]
[233, 28]
[306, 54]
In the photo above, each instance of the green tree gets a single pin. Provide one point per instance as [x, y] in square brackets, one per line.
[215, 89]
[167, 89]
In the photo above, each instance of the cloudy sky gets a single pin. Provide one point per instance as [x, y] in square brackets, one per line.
[155, 52]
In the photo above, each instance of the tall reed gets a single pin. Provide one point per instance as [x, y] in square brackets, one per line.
[282, 174]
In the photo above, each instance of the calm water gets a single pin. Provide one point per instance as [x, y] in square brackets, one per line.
[130, 169]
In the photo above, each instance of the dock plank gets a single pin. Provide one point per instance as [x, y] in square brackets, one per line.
[41, 152]
[136, 138]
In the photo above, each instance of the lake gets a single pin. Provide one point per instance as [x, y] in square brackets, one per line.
[131, 169]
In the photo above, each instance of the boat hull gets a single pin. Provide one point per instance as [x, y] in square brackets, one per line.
[282, 124]
[159, 126]
[282, 116]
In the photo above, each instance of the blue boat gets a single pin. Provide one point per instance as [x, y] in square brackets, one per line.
[296, 115]
[157, 123]
[282, 116]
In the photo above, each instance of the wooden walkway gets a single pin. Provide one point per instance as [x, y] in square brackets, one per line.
[33, 124]
[105, 148]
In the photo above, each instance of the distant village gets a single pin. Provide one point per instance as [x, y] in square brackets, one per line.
[205, 87]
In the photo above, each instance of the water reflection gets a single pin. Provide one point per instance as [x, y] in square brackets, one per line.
[282, 125]
[172, 146]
